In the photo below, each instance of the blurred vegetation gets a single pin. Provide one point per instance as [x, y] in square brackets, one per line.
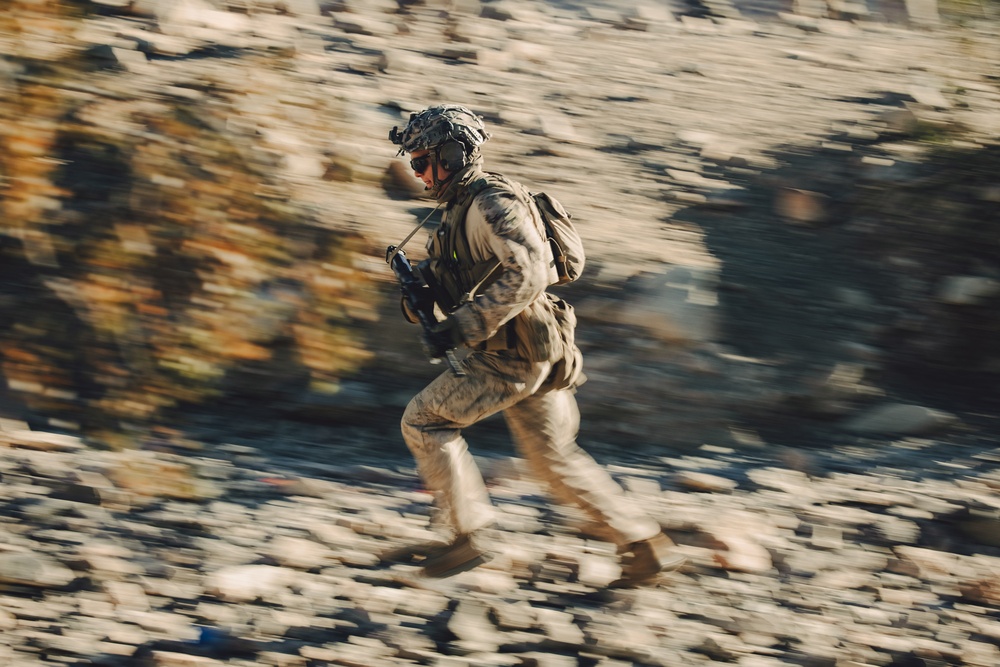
[145, 254]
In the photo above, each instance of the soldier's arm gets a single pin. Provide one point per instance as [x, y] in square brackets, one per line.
[501, 226]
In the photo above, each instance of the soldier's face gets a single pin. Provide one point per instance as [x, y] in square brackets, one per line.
[421, 161]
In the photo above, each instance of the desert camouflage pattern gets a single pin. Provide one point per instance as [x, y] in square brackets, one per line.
[501, 228]
[544, 426]
[544, 423]
[436, 125]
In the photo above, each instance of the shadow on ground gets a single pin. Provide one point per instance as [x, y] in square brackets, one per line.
[858, 255]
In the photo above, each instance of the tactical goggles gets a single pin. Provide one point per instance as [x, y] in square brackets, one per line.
[419, 164]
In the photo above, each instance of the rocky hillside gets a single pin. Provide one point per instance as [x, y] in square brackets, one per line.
[789, 320]
[761, 192]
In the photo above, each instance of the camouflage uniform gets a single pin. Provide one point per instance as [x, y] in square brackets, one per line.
[544, 423]
[509, 322]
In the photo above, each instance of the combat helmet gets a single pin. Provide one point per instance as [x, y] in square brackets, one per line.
[450, 131]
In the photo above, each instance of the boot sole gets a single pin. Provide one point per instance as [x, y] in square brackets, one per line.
[456, 569]
[653, 577]
[409, 553]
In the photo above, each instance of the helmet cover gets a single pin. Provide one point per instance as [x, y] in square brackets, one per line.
[437, 125]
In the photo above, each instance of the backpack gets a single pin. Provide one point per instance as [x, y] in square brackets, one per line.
[564, 240]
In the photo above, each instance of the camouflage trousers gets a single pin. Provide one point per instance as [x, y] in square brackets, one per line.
[544, 426]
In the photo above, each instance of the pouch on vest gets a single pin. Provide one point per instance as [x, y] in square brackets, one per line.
[568, 370]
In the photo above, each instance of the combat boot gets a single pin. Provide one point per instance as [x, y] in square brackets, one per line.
[411, 552]
[648, 559]
[463, 553]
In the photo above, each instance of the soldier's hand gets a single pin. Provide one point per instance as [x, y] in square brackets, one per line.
[445, 336]
[408, 314]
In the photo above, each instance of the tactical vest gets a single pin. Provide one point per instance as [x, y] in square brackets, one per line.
[453, 274]
[455, 278]
[450, 259]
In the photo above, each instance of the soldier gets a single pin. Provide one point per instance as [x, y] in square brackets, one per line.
[489, 266]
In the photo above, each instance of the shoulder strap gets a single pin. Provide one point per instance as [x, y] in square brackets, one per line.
[459, 212]
[456, 247]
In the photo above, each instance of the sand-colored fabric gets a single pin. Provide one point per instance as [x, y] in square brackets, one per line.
[544, 426]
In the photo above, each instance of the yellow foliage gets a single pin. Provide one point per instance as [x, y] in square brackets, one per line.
[180, 271]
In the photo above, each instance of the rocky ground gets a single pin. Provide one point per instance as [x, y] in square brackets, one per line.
[761, 336]
[841, 557]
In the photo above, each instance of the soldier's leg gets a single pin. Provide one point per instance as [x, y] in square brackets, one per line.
[432, 428]
[545, 427]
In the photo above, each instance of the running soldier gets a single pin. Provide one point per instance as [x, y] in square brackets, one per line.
[488, 267]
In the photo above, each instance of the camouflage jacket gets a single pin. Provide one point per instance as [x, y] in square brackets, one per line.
[504, 261]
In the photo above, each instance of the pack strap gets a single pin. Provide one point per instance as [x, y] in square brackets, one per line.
[498, 181]
[392, 255]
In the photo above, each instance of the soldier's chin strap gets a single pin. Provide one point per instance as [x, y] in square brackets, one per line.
[438, 182]
[390, 254]
[395, 249]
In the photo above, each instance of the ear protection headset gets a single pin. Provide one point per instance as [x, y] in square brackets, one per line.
[452, 155]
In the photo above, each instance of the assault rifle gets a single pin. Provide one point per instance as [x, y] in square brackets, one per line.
[420, 301]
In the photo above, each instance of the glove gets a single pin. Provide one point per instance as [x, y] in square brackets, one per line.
[408, 314]
[445, 336]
